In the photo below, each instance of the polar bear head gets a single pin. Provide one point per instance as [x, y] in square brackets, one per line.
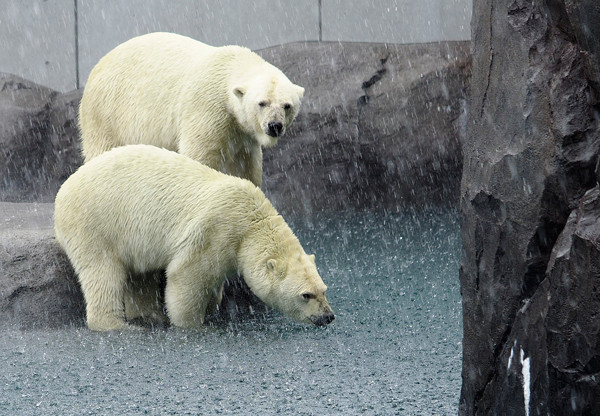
[284, 277]
[297, 289]
[266, 105]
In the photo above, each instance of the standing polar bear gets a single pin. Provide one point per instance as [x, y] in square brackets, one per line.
[217, 105]
[139, 208]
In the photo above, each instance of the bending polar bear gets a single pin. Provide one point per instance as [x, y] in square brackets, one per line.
[140, 208]
[217, 105]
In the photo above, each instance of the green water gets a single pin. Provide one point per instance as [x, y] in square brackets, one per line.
[394, 348]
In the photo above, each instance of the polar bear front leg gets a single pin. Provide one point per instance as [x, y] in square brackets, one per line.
[255, 167]
[103, 286]
[187, 294]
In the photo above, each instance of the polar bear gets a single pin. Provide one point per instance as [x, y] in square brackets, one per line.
[139, 208]
[217, 105]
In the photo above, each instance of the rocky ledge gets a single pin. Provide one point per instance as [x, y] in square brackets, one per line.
[379, 128]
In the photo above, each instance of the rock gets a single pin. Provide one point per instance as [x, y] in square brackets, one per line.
[530, 153]
[38, 287]
[379, 128]
[572, 324]
[555, 334]
[39, 140]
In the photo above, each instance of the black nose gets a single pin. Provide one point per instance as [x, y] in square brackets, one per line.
[274, 128]
[324, 319]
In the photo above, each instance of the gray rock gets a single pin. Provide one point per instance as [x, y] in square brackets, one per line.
[379, 127]
[572, 324]
[530, 153]
[555, 332]
[38, 287]
[39, 140]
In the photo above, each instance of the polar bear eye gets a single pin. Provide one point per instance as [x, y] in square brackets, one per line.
[262, 104]
[287, 106]
[308, 296]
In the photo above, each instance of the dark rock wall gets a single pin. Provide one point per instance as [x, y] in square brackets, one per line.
[573, 309]
[529, 157]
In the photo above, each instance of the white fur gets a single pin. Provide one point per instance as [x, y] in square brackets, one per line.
[177, 93]
[139, 208]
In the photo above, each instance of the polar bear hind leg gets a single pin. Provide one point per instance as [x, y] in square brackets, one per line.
[103, 286]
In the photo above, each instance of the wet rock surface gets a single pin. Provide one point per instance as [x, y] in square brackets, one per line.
[38, 285]
[38, 139]
[529, 209]
[379, 128]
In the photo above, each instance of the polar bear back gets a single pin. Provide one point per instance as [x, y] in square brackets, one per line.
[136, 97]
[142, 204]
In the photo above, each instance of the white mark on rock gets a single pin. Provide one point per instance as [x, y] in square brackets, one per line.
[512, 353]
[526, 372]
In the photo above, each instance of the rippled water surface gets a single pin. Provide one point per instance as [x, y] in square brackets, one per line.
[394, 348]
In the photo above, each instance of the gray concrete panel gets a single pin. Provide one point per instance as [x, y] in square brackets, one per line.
[396, 21]
[255, 24]
[455, 17]
[37, 41]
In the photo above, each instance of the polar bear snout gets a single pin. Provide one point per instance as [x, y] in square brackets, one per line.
[323, 320]
[274, 128]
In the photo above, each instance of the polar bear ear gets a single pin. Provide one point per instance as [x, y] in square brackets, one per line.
[299, 91]
[271, 265]
[239, 91]
[312, 258]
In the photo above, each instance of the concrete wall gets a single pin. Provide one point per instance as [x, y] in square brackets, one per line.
[57, 42]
